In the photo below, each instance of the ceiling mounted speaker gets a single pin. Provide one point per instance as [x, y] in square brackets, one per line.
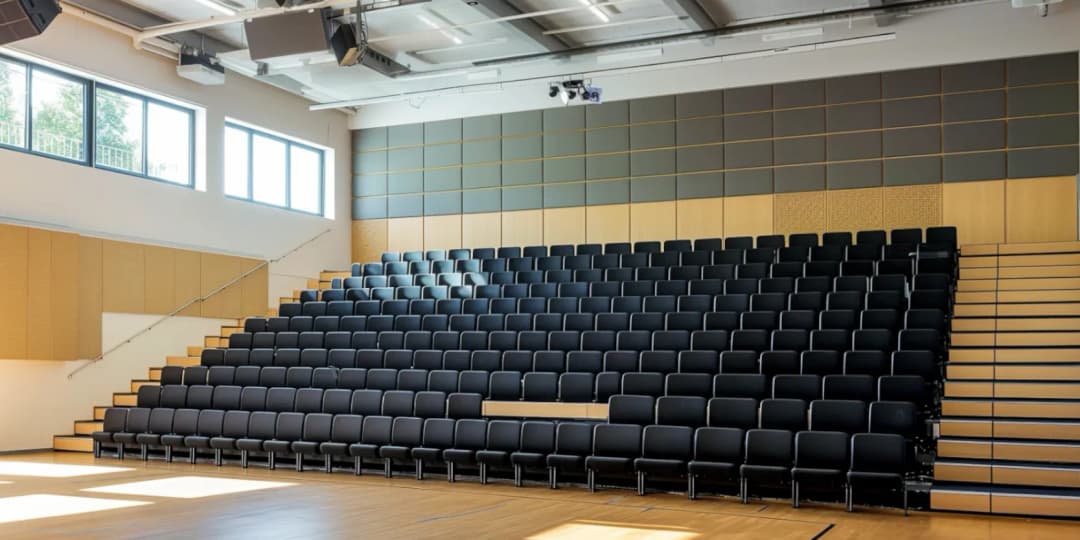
[299, 32]
[21, 19]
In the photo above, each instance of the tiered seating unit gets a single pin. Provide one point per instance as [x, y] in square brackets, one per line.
[773, 364]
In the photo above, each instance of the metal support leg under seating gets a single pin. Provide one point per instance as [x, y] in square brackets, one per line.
[168, 454]
[794, 494]
[97, 449]
[193, 456]
[483, 474]
[517, 475]
[299, 462]
[744, 490]
[244, 459]
[591, 480]
[419, 470]
[553, 478]
[271, 461]
[388, 468]
[358, 466]
[691, 487]
[640, 483]
[450, 476]
[328, 464]
[218, 457]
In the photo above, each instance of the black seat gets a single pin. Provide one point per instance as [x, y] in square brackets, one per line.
[438, 435]
[769, 457]
[615, 446]
[739, 413]
[470, 436]
[845, 416]
[821, 457]
[503, 439]
[877, 460]
[573, 442]
[689, 411]
[718, 455]
[536, 443]
[665, 451]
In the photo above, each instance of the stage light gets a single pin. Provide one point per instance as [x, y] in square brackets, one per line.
[553, 91]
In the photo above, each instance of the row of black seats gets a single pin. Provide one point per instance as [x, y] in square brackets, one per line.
[723, 454]
[577, 387]
[940, 236]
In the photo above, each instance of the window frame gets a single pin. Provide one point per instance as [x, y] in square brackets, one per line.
[90, 87]
[251, 132]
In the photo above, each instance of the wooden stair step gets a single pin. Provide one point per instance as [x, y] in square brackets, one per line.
[1016, 297]
[1019, 284]
[1016, 324]
[87, 427]
[1013, 272]
[1002, 372]
[183, 361]
[1006, 408]
[1007, 473]
[1004, 450]
[73, 443]
[125, 399]
[1015, 355]
[194, 350]
[138, 383]
[1022, 390]
[154, 374]
[99, 413]
[1016, 339]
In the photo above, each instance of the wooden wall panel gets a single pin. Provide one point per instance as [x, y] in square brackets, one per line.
[854, 209]
[90, 296]
[188, 281]
[217, 270]
[481, 230]
[977, 209]
[123, 277]
[916, 206]
[442, 232]
[369, 237]
[1040, 210]
[609, 223]
[750, 215]
[799, 213]
[39, 329]
[564, 225]
[405, 234]
[523, 228]
[14, 283]
[699, 218]
[64, 308]
[160, 279]
[653, 221]
[255, 289]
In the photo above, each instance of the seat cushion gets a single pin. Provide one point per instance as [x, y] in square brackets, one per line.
[223, 443]
[673, 467]
[150, 439]
[124, 438]
[102, 436]
[493, 457]
[716, 469]
[276, 446]
[457, 455]
[197, 441]
[305, 447]
[809, 473]
[334, 449]
[364, 450]
[400, 453]
[251, 445]
[608, 463]
[749, 470]
[878, 478]
[427, 454]
[527, 459]
[565, 461]
[172, 440]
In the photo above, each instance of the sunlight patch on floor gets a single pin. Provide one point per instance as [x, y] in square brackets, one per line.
[26, 507]
[54, 470]
[595, 530]
[188, 487]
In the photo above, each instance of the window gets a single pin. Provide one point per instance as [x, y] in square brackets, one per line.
[269, 169]
[130, 132]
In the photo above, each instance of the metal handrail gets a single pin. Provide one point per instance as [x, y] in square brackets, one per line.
[191, 302]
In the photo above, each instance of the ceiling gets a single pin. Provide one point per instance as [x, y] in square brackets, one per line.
[448, 45]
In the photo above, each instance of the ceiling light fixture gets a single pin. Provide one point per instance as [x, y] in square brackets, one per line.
[595, 10]
[632, 54]
[431, 24]
[793, 34]
[224, 10]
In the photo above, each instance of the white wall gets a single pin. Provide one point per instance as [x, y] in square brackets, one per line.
[56, 194]
[967, 34]
[38, 399]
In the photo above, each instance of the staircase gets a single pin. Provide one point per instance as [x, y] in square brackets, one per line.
[80, 441]
[1010, 417]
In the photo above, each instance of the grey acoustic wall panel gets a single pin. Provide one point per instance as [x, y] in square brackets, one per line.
[615, 113]
[442, 179]
[564, 195]
[522, 198]
[481, 200]
[370, 139]
[370, 162]
[741, 100]
[911, 82]
[975, 76]
[1044, 69]
[607, 166]
[748, 126]
[1042, 100]
[799, 178]
[748, 182]
[974, 136]
[699, 104]
[854, 174]
[853, 88]
[1043, 162]
[652, 135]
[656, 109]
[699, 131]
[798, 94]
[661, 188]
[486, 151]
[699, 158]
[406, 135]
[522, 172]
[1043, 131]
[608, 192]
[799, 122]
[854, 116]
[405, 182]
[564, 143]
[973, 106]
[564, 119]
[748, 154]
[369, 208]
[799, 150]
[911, 141]
[912, 170]
[615, 139]
[846, 146]
[975, 166]
[515, 148]
[521, 123]
[481, 127]
[442, 155]
[401, 159]
[442, 131]
[478, 176]
[652, 162]
[404, 206]
[700, 186]
[912, 112]
[442, 204]
[564, 169]
[369, 185]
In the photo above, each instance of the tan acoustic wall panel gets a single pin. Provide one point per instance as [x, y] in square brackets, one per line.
[795, 213]
[750, 215]
[442, 232]
[854, 209]
[916, 206]
[123, 277]
[160, 280]
[564, 225]
[481, 230]
[217, 271]
[369, 239]
[187, 267]
[653, 221]
[608, 223]
[90, 296]
[1040, 210]
[405, 234]
[699, 218]
[523, 228]
[64, 307]
[39, 327]
[977, 209]
[254, 288]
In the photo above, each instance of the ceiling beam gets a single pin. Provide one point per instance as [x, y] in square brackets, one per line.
[693, 15]
[530, 29]
[138, 19]
[884, 19]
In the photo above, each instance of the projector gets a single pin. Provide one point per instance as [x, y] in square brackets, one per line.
[1019, 4]
[201, 68]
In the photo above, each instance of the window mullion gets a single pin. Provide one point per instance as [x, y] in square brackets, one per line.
[288, 174]
[146, 137]
[251, 165]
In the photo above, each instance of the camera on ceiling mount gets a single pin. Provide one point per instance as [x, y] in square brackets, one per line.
[572, 89]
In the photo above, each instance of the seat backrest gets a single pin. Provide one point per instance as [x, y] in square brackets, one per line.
[617, 440]
[822, 450]
[667, 442]
[773, 447]
[318, 427]
[846, 416]
[346, 428]
[574, 438]
[899, 417]
[686, 411]
[289, 426]
[878, 452]
[719, 445]
[785, 414]
[470, 434]
[377, 430]
[463, 405]
[631, 409]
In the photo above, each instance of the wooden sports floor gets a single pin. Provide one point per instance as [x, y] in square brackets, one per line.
[178, 500]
